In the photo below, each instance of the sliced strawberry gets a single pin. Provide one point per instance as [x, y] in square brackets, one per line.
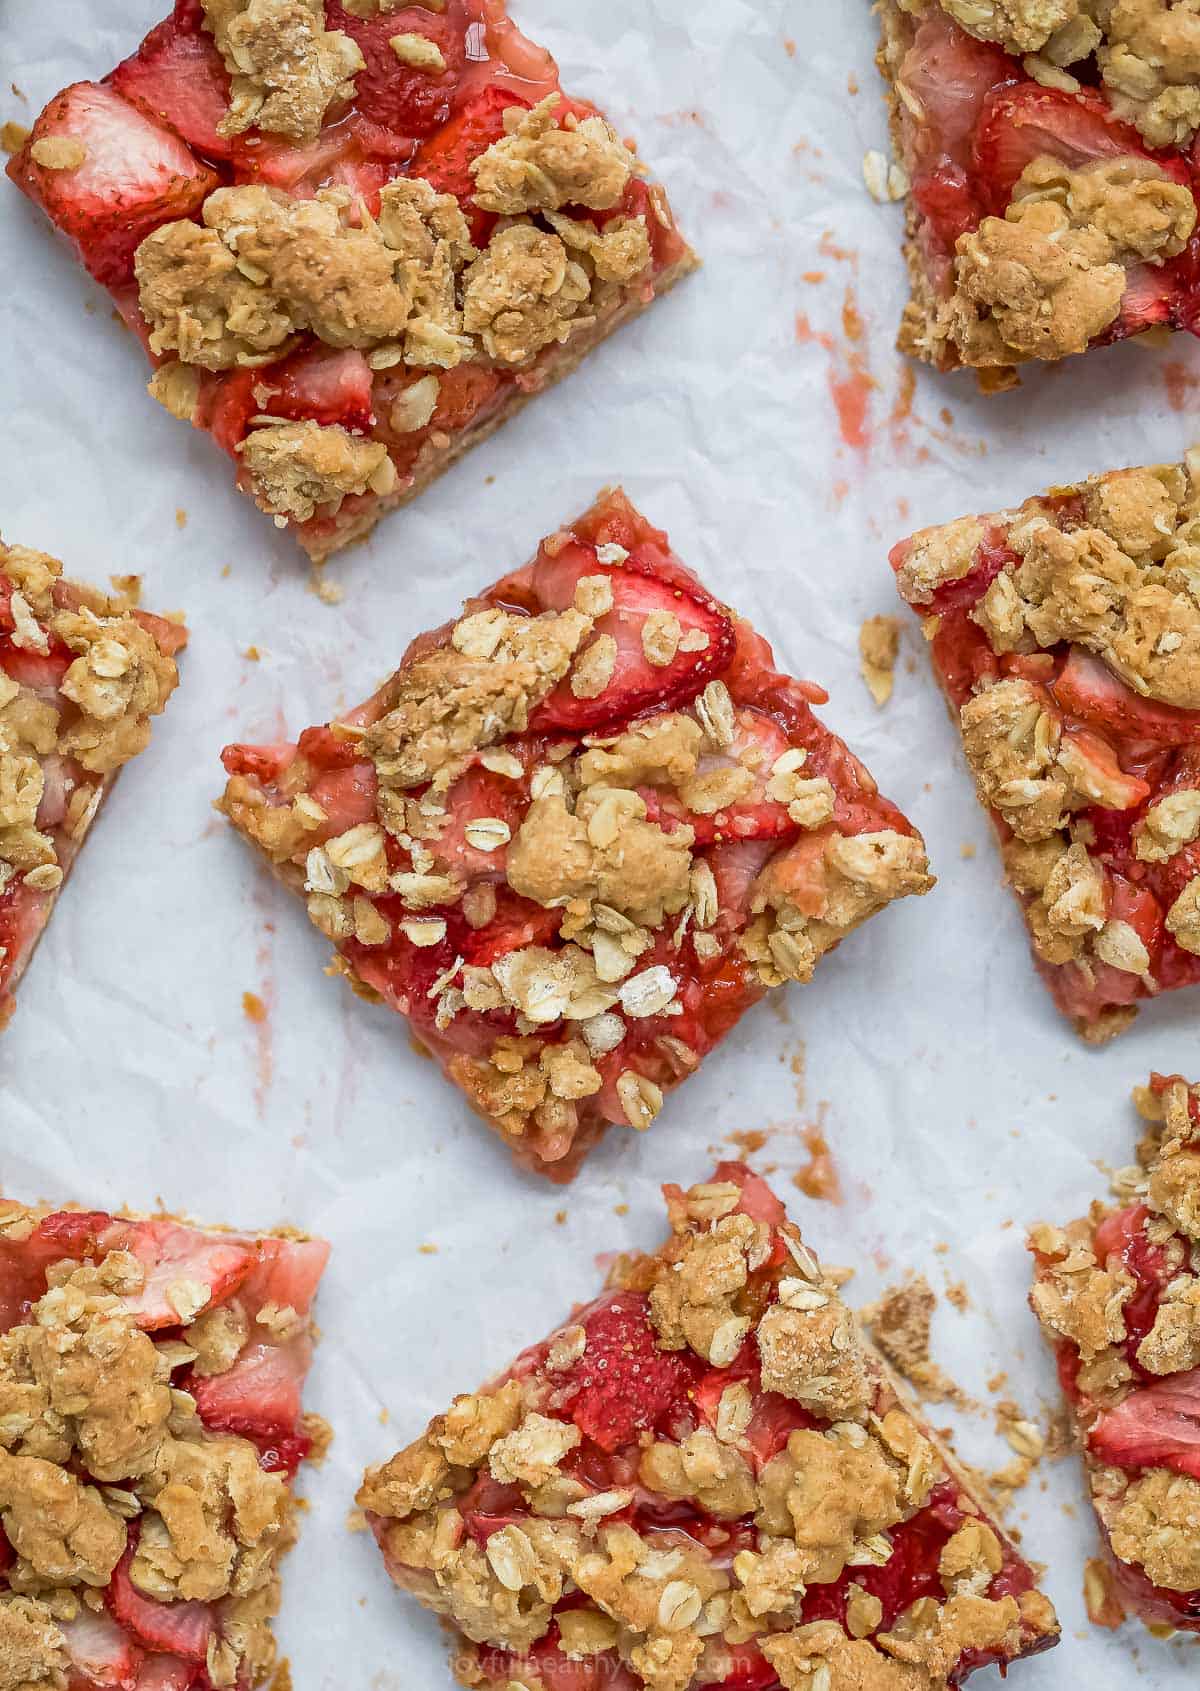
[1151, 299]
[476, 796]
[301, 168]
[225, 404]
[636, 685]
[1157, 1427]
[170, 637]
[347, 796]
[757, 1199]
[1121, 790]
[178, 79]
[181, 1629]
[397, 96]
[773, 1417]
[736, 865]
[267, 763]
[445, 159]
[259, 1397]
[1123, 1235]
[100, 1652]
[1088, 689]
[518, 922]
[951, 75]
[23, 914]
[171, 1255]
[321, 383]
[41, 671]
[625, 1384]
[66, 1233]
[287, 1274]
[1021, 124]
[134, 176]
[167, 1673]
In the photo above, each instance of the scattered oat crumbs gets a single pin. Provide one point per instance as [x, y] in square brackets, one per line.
[560, 1218]
[320, 1435]
[226, 571]
[901, 1324]
[427, 1250]
[878, 644]
[180, 517]
[13, 136]
[956, 1294]
[356, 1520]
[1100, 1595]
[966, 851]
[620, 1209]
[789, 47]
[252, 654]
[385, 1416]
[748, 1140]
[852, 84]
[328, 592]
[488, 481]
[253, 1007]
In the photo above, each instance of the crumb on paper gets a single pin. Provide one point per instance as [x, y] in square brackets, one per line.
[128, 589]
[620, 1209]
[748, 1140]
[226, 572]
[852, 84]
[956, 1294]
[1100, 1595]
[966, 851]
[252, 654]
[427, 1250]
[356, 1521]
[901, 1324]
[385, 1416]
[320, 1435]
[818, 1178]
[789, 47]
[886, 180]
[488, 481]
[180, 517]
[878, 644]
[328, 592]
[560, 1218]
[13, 136]
[253, 1007]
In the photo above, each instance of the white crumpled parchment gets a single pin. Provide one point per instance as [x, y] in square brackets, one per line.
[958, 1106]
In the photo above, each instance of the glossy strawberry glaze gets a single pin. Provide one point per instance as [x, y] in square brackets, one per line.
[138, 1643]
[624, 1386]
[1158, 1423]
[983, 121]
[714, 992]
[402, 123]
[24, 911]
[1155, 747]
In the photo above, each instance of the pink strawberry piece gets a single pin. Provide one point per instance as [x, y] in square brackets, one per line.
[259, 1399]
[101, 1652]
[758, 742]
[1086, 688]
[183, 1257]
[176, 78]
[400, 98]
[181, 1629]
[286, 1274]
[625, 1384]
[319, 382]
[1156, 1427]
[166, 1673]
[637, 684]
[133, 176]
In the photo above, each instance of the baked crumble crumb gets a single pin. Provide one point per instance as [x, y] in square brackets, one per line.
[878, 647]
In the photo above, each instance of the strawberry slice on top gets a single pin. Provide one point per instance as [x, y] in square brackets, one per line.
[182, 1352]
[521, 841]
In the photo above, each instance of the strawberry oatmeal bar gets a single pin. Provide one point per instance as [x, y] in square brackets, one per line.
[577, 834]
[1066, 637]
[1048, 147]
[81, 674]
[1119, 1297]
[150, 1429]
[353, 237]
[705, 1478]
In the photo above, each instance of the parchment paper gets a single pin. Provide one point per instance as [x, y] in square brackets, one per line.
[784, 456]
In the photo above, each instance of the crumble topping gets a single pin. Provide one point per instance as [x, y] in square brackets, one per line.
[1157, 1524]
[658, 1599]
[286, 67]
[1148, 52]
[1168, 826]
[1049, 276]
[296, 469]
[31, 1646]
[540, 167]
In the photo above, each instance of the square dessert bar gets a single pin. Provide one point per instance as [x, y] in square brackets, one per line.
[704, 1478]
[577, 833]
[1066, 637]
[353, 238]
[1119, 1297]
[150, 1429]
[81, 674]
[1049, 157]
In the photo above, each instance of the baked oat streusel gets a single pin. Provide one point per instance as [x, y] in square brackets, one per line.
[1066, 637]
[150, 1428]
[355, 239]
[81, 674]
[704, 1478]
[576, 834]
[1118, 1295]
[1050, 208]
